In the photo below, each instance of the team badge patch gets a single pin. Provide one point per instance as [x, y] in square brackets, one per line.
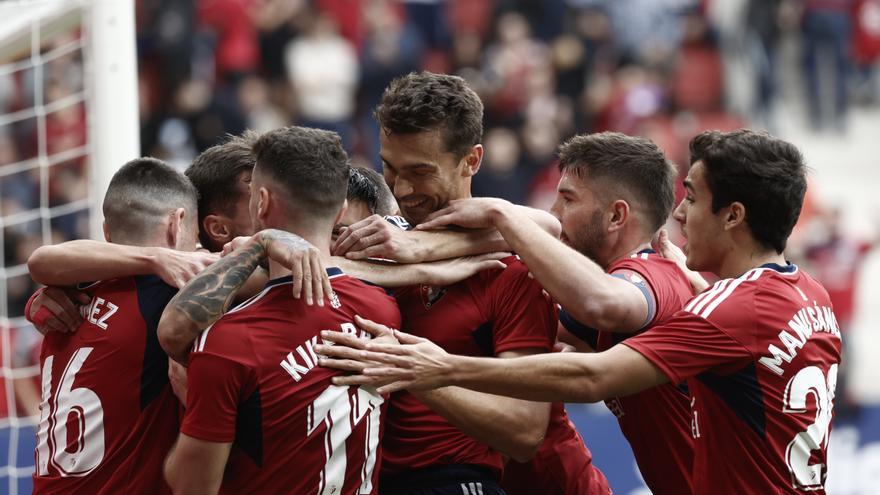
[334, 300]
[430, 295]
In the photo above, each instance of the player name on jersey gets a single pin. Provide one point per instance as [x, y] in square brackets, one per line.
[98, 311]
[804, 323]
[299, 364]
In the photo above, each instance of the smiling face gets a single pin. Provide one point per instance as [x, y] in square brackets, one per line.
[581, 212]
[423, 176]
[703, 229]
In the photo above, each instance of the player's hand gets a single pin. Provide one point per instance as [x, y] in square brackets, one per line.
[415, 363]
[234, 244]
[374, 237]
[177, 378]
[341, 351]
[303, 260]
[670, 251]
[471, 213]
[177, 268]
[448, 272]
[560, 346]
[56, 309]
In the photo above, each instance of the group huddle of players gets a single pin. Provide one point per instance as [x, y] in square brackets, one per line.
[364, 336]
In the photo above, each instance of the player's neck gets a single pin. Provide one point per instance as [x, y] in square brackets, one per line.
[320, 240]
[737, 263]
[628, 246]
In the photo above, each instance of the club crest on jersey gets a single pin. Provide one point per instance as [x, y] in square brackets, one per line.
[334, 300]
[430, 295]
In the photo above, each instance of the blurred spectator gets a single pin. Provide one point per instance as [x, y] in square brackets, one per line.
[835, 258]
[866, 48]
[323, 70]
[827, 28]
[502, 174]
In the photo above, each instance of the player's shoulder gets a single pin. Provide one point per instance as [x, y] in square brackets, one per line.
[343, 282]
[228, 337]
[512, 277]
[650, 264]
[728, 299]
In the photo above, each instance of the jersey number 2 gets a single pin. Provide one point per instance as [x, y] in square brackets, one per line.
[73, 453]
[341, 412]
[809, 381]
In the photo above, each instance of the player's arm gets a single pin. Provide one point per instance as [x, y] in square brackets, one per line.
[85, 260]
[215, 382]
[205, 298]
[203, 301]
[511, 426]
[196, 466]
[374, 237]
[438, 273]
[577, 283]
[420, 364]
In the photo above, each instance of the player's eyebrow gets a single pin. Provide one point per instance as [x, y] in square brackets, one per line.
[565, 190]
[688, 185]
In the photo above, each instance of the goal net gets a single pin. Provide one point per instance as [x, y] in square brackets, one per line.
[68, 119]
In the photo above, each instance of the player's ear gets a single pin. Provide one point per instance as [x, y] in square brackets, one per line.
[736, 215]
[106, 231]
[216, 228]
[263, 203]
[341, 212]
[472, 161]
[175, 228]
[619, 214]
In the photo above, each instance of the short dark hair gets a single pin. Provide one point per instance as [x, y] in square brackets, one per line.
[215, 172]
[424, 101]
[142, 192]
[764, 173]
[634, 163]
[369, 187]
[310, 165]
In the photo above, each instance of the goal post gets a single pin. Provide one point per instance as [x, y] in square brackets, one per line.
[68, 121]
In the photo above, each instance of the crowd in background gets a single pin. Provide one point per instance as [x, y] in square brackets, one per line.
[545, 70]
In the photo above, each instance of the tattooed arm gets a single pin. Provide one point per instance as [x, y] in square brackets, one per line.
[205, 298]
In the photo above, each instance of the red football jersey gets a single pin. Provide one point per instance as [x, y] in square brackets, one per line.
[760, 353]
[253, 380]
[492, 312]
[658, 417]
[108, 416]
[563, 464]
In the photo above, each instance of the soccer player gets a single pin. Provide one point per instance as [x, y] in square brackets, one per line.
[222, 175]
[261, 416]
[616, 191]
[760, 349]
[448, 441]
[108, 415]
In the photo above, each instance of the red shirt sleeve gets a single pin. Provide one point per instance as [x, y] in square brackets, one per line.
[215, 385]
[687, 345]
[523, 315]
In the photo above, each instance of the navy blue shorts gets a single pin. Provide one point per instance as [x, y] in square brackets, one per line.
[456, 479]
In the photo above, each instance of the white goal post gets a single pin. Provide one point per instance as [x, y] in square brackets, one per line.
[58, 151]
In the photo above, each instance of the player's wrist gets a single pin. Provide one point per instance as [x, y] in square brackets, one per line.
[500, 214]
[455, 370]
[151, 258]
